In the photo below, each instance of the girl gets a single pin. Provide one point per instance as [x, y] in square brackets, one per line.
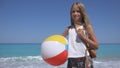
[79, 33]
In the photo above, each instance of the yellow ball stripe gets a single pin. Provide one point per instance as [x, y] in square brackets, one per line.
[58, 38]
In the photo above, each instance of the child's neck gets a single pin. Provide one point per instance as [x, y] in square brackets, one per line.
[78, 23]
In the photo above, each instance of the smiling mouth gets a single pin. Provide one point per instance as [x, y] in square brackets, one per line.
[76, 17]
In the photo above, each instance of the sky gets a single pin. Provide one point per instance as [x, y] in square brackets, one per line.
[31, 21]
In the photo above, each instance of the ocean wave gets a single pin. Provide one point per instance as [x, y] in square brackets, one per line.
[20, 58]
[21, 62]
[25, 62]
[38, 62]
[107, 64]
[97, 62]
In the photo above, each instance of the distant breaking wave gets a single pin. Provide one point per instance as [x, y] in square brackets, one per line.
[38, 62]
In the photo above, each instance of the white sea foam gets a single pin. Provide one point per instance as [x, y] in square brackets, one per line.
[97, 62]
[24, 58]
[38, 62]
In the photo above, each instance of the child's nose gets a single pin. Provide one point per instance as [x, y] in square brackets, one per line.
[75, 12]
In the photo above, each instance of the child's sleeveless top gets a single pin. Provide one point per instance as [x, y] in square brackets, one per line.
[76, 47]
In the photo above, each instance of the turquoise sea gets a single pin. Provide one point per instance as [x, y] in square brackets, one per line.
[29, 56]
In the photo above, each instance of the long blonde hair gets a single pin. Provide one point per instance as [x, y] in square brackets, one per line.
[85, 20]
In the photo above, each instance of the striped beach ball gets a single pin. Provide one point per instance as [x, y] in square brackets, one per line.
[54, 50]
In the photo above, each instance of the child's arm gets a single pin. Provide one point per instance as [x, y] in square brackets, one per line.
[92, 41]
[65, 33]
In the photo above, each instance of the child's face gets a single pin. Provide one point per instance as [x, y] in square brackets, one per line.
[76, 15]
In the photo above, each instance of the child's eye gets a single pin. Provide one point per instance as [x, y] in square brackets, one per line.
[73, 11]
[76, 11]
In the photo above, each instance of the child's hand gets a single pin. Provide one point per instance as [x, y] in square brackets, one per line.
[80, 31]
[79, 27]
